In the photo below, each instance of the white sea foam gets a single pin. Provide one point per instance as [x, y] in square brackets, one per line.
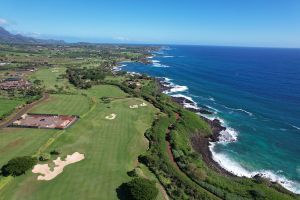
[234, 167]
[296, 127]
[119, 68]
[212, 108]
[167, 79]
[193, 105]
[211, 99]
[176, 88]
[168, 56]
[238, 109]
[156, 63]
[228, 135]
[184, 96]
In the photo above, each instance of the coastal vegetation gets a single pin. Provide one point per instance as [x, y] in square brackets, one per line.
[140, 189]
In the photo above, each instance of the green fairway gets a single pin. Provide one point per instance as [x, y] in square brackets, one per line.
[111, 147]
[50, 77]
[64, 104]
[20, 142]
[8, 105]
[99, 91]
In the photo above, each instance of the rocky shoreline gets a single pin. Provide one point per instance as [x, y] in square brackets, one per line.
[199, 143]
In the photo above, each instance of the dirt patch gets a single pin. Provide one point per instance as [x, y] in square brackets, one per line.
[169, 148]
[48, 174]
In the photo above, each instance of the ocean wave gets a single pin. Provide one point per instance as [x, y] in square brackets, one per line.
[167, 79]
[211, 99]
[234, 167]
[295, 127]
[193, 104]
[119, 68]
[168, 56]
[176, 88]
[173, 88]
[212, 108]
[238, 109]
[156, 63]
[227, 136]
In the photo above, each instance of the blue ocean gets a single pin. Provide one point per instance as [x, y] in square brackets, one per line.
[254, 92]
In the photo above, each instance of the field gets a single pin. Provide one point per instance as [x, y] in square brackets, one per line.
[51, 79]
[8, 105]
[111, 147]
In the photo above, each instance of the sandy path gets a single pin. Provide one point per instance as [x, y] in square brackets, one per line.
[47, 174]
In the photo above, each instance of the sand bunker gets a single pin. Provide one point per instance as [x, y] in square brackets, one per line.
[143, 104]
[111, 116]
[137, 106]
[134, 106]
[47, 174]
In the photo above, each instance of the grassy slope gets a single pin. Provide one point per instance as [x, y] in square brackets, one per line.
[110, 147]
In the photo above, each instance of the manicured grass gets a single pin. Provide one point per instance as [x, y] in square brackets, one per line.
[111, 148]
[8, 105]
[64, 104]
[50, 76]
[99, 91]
[21, 142]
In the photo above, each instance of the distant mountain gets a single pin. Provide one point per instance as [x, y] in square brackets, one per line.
[7, 37]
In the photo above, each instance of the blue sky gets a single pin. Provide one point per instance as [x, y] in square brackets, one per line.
[212, 22]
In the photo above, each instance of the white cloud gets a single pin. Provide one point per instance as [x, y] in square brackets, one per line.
[3, 21]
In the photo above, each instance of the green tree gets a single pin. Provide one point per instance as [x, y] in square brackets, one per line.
[141, 189]
[18, 166]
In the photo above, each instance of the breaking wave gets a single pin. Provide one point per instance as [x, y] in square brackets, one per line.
[173, 88]
[190, 104]
[119, 68]
[238, 109]
[235, 168]
[156, 63]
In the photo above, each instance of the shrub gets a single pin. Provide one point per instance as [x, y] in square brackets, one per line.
[141, 189]
[54, 152]
[132, 173]
[18, 166]
[44, 157]
[257, 194]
